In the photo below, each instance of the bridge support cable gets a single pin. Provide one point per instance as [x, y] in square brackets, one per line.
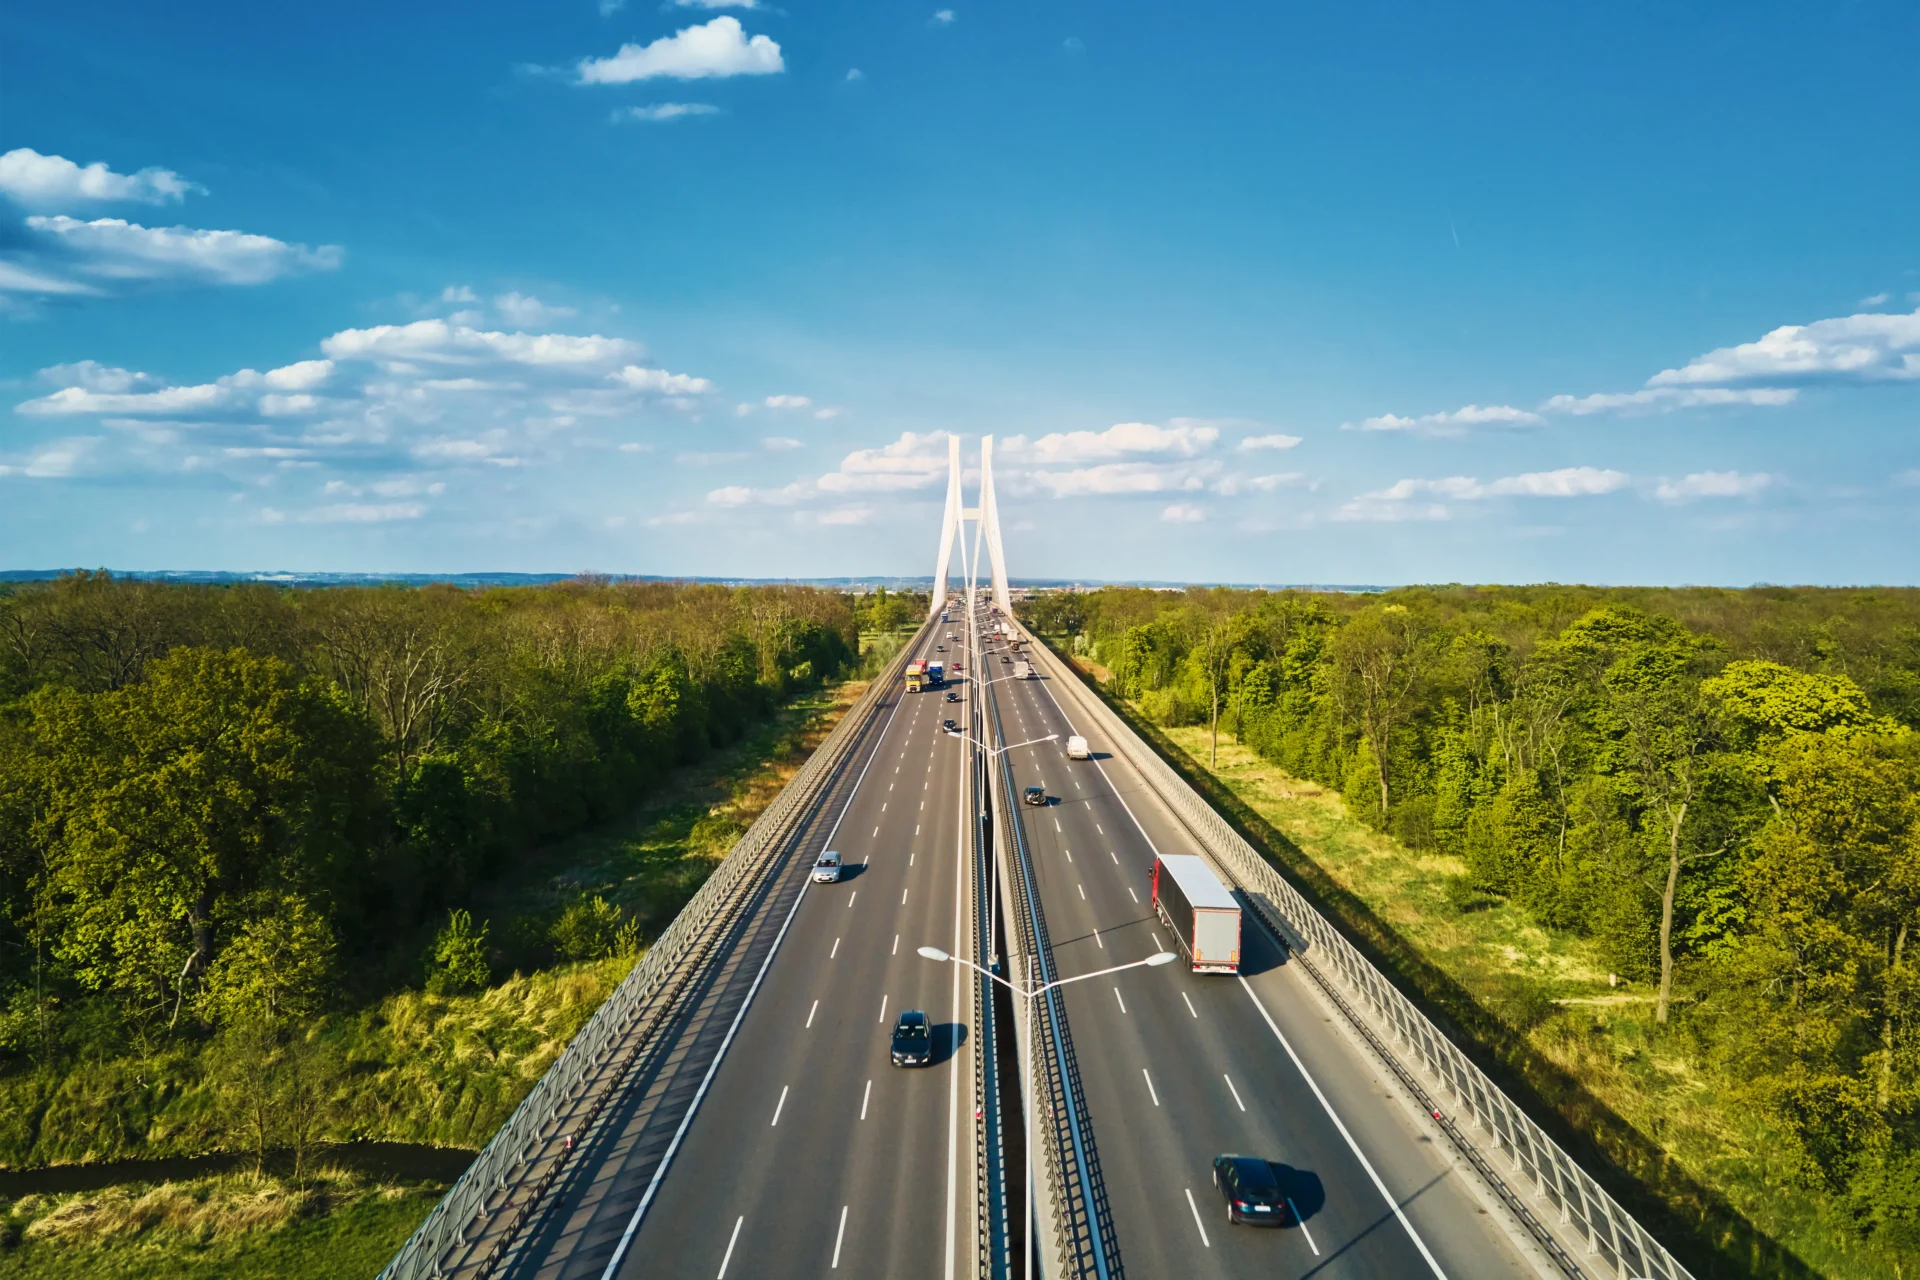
[1574, 1220]
[509, 1186]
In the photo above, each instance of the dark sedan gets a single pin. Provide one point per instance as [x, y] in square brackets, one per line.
[1034, 795]
[1251, 1191]
[912, 1040]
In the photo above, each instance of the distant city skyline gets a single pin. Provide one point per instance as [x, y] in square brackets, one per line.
[1378, 294]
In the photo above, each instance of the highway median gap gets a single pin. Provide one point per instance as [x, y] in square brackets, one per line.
[1688, 1217]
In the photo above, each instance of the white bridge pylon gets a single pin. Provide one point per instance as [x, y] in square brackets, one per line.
[986, 527]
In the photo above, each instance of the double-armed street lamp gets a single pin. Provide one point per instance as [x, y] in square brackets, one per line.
[1031, 994]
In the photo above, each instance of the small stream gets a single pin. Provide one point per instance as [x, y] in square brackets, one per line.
[381, 1161]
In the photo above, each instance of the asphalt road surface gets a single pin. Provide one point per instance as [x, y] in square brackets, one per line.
[1179, 1067]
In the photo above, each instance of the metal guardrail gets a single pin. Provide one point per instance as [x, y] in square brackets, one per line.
[531, 1146]
[1085, 1241]
[1424, 1057]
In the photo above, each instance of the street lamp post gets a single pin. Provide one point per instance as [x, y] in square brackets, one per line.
[1031, 994]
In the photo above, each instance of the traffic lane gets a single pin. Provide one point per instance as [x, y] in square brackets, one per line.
[838, 964]
[1429, 1181]
[1173, 1078]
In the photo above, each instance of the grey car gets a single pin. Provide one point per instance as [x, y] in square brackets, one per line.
[827, 868]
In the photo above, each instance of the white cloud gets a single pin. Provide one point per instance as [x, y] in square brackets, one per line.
[1118, 478]
[847, 515]
[1184, 439]
[527, 311]
[94, 376]
[780, 443]
[51, 182]
[1662, 399]
[914, 461]
[1869, 345]
[438, 342]
[1232, 485]
[1876, 300]
[96, 389]
[787, 402]
[1452, 423]
[660, 382]
[854, 73]
[115, 249]
[1373, 510]
[364, 512]
[53, 459]
[943, 16]
[1270, 442]
[1183, 513]
[827, 413]
[634, 446]
[717, 4]
[663, 111]
[459, 293]
[18, 279]
[717, 48]
[1713, 484]
[1395, 502]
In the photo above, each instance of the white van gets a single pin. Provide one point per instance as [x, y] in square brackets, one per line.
[1077, 748]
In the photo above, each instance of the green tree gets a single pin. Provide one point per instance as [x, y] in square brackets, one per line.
[276, 969]
[459, 956]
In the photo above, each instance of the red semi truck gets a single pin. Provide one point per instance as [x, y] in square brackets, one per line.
[1203, 915]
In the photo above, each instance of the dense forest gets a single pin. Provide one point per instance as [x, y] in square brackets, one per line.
[1720, 788]
[225, 811]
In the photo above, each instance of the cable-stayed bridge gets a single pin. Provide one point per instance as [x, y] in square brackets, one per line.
[734, 1109]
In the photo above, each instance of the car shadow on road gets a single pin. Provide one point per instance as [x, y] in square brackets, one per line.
[1302, 1188]
[947, 1039]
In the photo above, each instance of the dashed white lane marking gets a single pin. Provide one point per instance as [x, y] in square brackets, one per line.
[1069, 854]
[1190, 1204]
[923, 804]
[1096, 938]
[1156, 940]
[1056, 824]
[883, 1009]
[903, 897]
[1083, 891]
[1114, 856]
[916, 828]
[730, 1243]
[841, 1234]
[910, 859]
[863, 1100]
[812, 1011]
[780, 1105]
[1339, 1124]
[836, 949]
[883, 809]
[850, 898]
[1303, 1226]
[1097, 827]
[896, 944]
[1123, 1009]
[1230, 1089]
[1132, 894]
[1190, 1009]
[1151, 1091]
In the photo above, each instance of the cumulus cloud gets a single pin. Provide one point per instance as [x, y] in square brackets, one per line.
[660, 382]
[1876, 300]
[1713, 484]
[52, 459]
[663, 111]
[527, 311]
[715, 49]
[55, 182]
[1869, 346]
[91, 388]
[1452, 423]
[1183, 513]
[1270, 442]
[1661, 399]
[1411, 499]
[364, 512]
[1184, 440]
[113, 249]
[459, 293]
[914, 461]
[787, 402]
[438, 342]
[717, 4]
[1117, 478]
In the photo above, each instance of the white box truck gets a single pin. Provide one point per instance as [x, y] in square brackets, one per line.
[1193, 903]
[1023, 671]
[1077, 748]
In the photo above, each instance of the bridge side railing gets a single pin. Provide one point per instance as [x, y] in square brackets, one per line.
[1501, 1140]
[525, 1144]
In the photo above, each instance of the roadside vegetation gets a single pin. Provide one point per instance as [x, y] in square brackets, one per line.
[1656, 853]
[280, 870]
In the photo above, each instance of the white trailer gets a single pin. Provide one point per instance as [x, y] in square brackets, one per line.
[1023, 671]
[1199, 910]
[1077, 748]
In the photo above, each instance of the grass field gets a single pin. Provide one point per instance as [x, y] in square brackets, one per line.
[1540, 1002]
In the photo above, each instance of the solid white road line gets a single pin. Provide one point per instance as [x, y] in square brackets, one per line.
[1190, 1008]
[811, 1012]
[1123, 1008]
[836, 949]
[1151, 1091]
[863, 1100]
[779, 1106]
[1341, 1126]
[1196, 1219]
[730, 1243]
[1303, 1226]
[1235, 1092]
[838, 1236]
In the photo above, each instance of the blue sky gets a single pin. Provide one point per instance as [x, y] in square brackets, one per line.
[1339, 293]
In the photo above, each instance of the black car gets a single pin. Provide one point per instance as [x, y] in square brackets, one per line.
[912, 1040]
[1251, 1191]
[1005, 658]
[953, 697]
[1034, 795]
[950, 726]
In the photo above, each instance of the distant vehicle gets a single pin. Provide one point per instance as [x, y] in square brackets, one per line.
[1005, 658]
[952, 696]
[1251, 1191]
[1077, 748]
[826, 868]
[1034, 795]
[912, 1040]
[1199, 910]
[916, 675]
[949, 726]
[936, 674]
[1023, 671]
